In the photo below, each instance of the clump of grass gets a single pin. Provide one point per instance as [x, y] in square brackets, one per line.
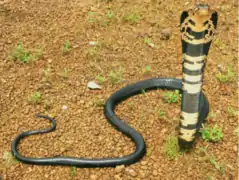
[100, 79]
[212, 134]
[73, 171]
[66, 47]
[212, 160]
[226, 77]
[147, 70]
[110, 14]
[35, 98]
[21, 54]
[171, 147]
[133, 18]
[116, 76]
[172, 97]
[162, 113]
[219, 167]
[9, 159]
[232, 111]
[99, 102]
[92, 17]
[46, 74]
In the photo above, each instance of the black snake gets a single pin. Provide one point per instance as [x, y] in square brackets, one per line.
[197, 29]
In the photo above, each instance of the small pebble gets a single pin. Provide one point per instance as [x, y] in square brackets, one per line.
[118, 169]
[166, 33]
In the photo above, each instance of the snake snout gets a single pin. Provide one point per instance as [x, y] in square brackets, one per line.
[202, 9]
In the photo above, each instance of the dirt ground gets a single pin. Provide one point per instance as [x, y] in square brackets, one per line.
[122, 46]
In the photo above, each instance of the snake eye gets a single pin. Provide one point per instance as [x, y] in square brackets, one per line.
[192, 22]
[205, 23]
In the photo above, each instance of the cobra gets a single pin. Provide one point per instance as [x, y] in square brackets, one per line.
[197, 30]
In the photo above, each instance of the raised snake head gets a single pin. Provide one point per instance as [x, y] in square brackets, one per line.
[198, 24]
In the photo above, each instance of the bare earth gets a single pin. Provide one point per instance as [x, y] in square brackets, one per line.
[82, 130]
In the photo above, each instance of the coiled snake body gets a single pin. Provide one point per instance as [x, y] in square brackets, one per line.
[197, 28]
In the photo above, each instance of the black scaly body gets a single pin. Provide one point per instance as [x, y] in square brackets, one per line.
[191, 103]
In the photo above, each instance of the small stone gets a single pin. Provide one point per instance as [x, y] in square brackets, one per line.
[93, 177]
[82, 102]
[64, 107]
[143, 163]
[155, 173]
[93, 85]
[132, 173]
[166, 33]
[235, 148]
[118, 169]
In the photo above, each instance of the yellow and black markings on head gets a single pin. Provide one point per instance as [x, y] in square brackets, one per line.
[198, 24]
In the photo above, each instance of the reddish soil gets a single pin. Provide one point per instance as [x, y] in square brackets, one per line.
[82, 130]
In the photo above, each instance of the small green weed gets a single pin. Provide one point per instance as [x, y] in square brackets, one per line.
[73, 171]
[172, 97]
[66, 47]
[99, 102]
[133, 18]
[226, 77]
[46, 74]
[110, 14]
[232, 111]
[92, 17]
[35, 98]
[162, 113]
[212, 134]
[116, 76]
[22, 55]
[171, 147]
[100, 79]
[211, 159]
[219, 167]
[9, 159]
[147, 70]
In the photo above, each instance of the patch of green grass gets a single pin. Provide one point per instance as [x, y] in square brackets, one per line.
[9, 159]
[226, 77]
[172, 97]
[116, 76]
[211, 159]
[147, 70]
[73, 171]
[218, 166]
[92, 17]
[162, 113]
[132, 18]
[171, 147]
[99, 102]
[21, 54]
[219, 44]
[212, 134]
[66, 47]
[110, 14]
[147, 40]
[100, 79]
[64, 74]
[232, 112]
[35, 98]
[46, 74]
